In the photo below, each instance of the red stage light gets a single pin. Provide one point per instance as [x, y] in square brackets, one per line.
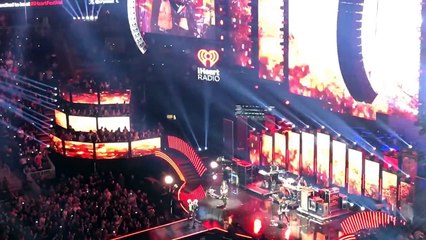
[257, 225]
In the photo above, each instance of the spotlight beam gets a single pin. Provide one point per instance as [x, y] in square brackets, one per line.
[71, 7]
[78, 7]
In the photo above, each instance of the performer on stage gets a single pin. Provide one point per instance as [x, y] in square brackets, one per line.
[224, 190]
[283, 200]
[301, 182]
[193, 209]
[273, 173]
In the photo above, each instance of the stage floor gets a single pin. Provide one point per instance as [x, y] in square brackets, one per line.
[247, 213]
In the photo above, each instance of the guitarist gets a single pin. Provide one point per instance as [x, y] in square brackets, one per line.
[283, 199]
[224, 189]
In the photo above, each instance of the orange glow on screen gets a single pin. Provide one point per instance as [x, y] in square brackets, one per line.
[406, 193]
[61, 119]
[254, 149]
[112, 150]
[267, 148]
[280, 149]
[145, 147]
[271, 57]
[389, 189]
[79, 149]
[115, 97]
[323, 158]
[257, 225]
[339, 163]
[57, 144]
[372, 179]
[113, 123]
[293, 152]
[82, 124]
[85, 98]
[308, 148]
[354, 171]
[409, 165]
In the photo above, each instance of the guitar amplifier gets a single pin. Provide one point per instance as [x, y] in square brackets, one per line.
[322, 209]
[305, 195]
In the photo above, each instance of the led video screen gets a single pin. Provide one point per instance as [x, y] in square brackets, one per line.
[294, 152]
[85, 98]
[339, 163]
[280, 150]
[323, 67]
[372, 179]
[409, 165]
[194, 18]
[115, 97]
[271, 55]
[406, 191]
[112, 150]
[65, 94]
[113, 123]
[389, 188]
[57, 144]
[354, 172]
[254, 152]
[266, 149]
[82, 124]
[33, 3]
[61, 119]
[323, 159]
[308, 154]
[241, 31]
[79, 149]
[145, 147]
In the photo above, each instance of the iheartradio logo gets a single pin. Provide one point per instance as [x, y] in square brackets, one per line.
[208, 58]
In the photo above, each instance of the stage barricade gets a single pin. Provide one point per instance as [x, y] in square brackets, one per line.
[73, 95]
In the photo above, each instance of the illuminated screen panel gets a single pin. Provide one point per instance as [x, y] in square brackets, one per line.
[145, 147]
[33, 3]
[254, 145]
[115, 97]
[241, 42]
[406, 191]
[323, 158]
[372, 179]
[79, 149]
[354, 172]
[315, 67]
[389, 188]
[65, 95]
[112, 150]
[409, 165]
[266, 149]
[85, 98]
[61, 119]
[113, 123]
[294, 152]
[390, 162]
[339, 163]
[280, 149]
[182, 18]
[271, 57]
[57, 144]
[82, 124]
[308, 154]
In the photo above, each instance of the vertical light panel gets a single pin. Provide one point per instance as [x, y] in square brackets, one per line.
[271, 36]
[354, 171]
[339, 163]
[293, 152]
[323, 159]
[389, 188]
[372, 179]
[266, 149]
[280, 149]
[254, 146]
[241, 42]
[308, 154]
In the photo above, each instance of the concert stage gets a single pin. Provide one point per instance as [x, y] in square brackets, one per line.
[257, 189]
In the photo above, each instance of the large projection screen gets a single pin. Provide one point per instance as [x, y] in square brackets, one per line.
[280, 149]
[254, 149]
[308, 154]
[323, 159]
[354, 172]
[82, 124]
[372, 179]
[389, 189]
[339, 163]
[145, 147]
[293, 152]
[315, 66]
[266, 149]
[114, 123]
